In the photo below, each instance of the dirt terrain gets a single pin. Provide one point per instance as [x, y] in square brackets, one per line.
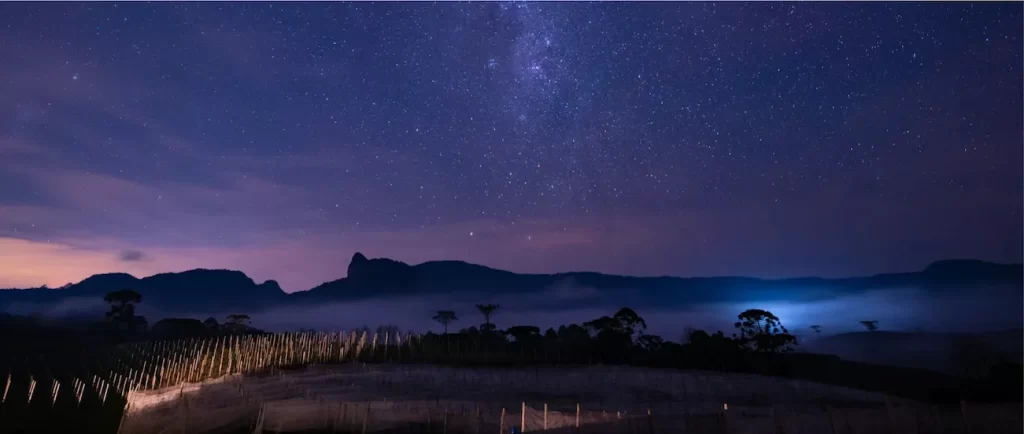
[345, 397]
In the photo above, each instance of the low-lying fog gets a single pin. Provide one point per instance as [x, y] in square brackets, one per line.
[897, 309]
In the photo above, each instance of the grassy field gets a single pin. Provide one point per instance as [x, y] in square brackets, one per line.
[72, 381]
[415, 398]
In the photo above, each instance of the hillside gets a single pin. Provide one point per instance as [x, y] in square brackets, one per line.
[213, 290]
[952, 353]
[192, 290]
[369, 278]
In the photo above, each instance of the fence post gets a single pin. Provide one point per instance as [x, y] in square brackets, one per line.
[831, 421]
[963, 415]
[888, 415]
[577, 417]
[501, 422]
[545, 416]
[723, 420]
[522, 418]
[365, 417]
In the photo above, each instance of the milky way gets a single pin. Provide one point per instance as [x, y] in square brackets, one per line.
[771, 139]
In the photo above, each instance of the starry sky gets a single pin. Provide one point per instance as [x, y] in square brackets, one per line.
[761, 139]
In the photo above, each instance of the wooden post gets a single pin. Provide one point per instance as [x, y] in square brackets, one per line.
[344, 413]
[577, 417]
[963, 415]
[650, 422]
[723, 420]
[831, 421]
[366, 416]
[934, 412]
[888, 415]
[545, 416]
[184, 422]
[501, 422]
[522, 418]
[777, 421]
[7, 387]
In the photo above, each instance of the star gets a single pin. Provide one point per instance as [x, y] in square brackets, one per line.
[638, 125]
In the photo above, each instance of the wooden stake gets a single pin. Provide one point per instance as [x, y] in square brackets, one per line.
[545, 416]
[577, 417]
[365, 417]
[888, 415]
[334, 422]
[963, 415]
[55, 388]
[522, 419]
[501, 422]
[7, 387]
[831, 421]
[31, 387]
[344, 414]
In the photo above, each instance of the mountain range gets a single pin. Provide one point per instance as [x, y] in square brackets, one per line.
[204, 290]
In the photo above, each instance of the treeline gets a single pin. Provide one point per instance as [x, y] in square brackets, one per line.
[759, 345]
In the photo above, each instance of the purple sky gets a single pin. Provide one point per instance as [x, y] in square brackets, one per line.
[685, 139]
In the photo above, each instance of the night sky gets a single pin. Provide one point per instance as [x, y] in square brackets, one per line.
[761, 139]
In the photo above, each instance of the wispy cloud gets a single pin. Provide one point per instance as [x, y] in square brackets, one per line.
[133, 256]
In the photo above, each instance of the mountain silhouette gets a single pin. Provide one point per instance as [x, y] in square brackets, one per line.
[193, 290]
[368, 278]
[204, 290]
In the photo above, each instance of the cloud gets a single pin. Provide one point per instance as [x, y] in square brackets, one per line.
[133, 256]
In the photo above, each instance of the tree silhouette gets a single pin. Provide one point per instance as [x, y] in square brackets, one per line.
[871, 325]
[236, 323]
[817, 329]
[122, 304]
[615, 335]
[487, 310]
[763, 331]
[524, 334]
[717, 343]
[445, 317]
[238, 319]
[650, 342]
[211, 323]
[122, 312]
[630, 322]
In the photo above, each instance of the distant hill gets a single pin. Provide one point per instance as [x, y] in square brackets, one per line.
[192, 290]
[952, 353]
[216, 290]
[369, 278]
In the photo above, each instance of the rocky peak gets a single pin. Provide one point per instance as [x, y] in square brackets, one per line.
[357, 263]
[377, 269]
